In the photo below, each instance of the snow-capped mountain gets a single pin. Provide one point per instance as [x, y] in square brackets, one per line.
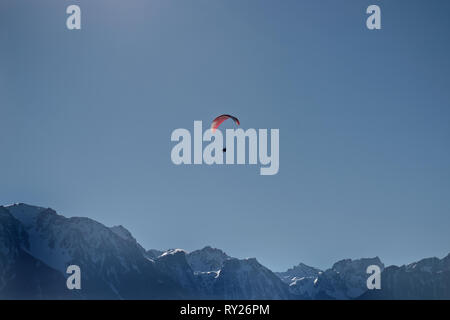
[113, 267]
[37, 245]
[210, 273]
[345, 280]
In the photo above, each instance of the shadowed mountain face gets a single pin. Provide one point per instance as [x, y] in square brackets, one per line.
[112, 267]
[211, 274]
[37, 245]
[427, 279]
[21, 275]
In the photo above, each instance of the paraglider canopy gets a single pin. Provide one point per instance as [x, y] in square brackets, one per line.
[218, 121]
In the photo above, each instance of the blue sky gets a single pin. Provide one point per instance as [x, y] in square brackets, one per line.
[86, 118]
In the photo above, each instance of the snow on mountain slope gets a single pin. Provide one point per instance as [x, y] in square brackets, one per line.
[41, 245]
[113, 267]
[218, 276]
[21, 275]
[59, 241]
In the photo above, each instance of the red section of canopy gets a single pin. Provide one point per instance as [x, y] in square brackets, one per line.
[218, 121]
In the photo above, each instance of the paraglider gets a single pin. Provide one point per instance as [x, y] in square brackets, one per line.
[218, 121]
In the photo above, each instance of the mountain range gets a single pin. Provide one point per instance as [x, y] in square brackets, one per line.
[37, 245]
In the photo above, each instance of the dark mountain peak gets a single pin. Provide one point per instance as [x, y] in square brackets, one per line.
[360, 264]
[209, 249]
[236, 274]
[206, 259]
[122, 232]
[297, 272]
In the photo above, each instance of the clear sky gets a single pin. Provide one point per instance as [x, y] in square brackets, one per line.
[86, 118]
